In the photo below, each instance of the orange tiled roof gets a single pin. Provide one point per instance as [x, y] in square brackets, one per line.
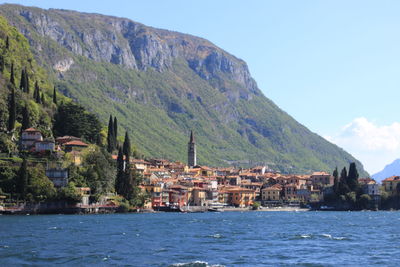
[391, 179]
[31, 130]
[75, 143]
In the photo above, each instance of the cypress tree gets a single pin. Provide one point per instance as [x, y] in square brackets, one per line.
[110, 136]
[12, 111]
[115, 128]
[2, 63]
[352, 178]
[7, 43]
[54, 95]
[35, 90]
[22, 82]
[42, 99]
[12, 79]
[119, 181]
[27, 82]
[336, 181]
[26, 123]
[23, 178]
[36, 93]
[343, 187]
[126, 148]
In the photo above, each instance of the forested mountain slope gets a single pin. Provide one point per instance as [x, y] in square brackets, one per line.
[161, 84]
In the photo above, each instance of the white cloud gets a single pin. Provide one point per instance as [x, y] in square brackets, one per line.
[375, 146]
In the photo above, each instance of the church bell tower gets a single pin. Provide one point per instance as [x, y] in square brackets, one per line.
[192, 151]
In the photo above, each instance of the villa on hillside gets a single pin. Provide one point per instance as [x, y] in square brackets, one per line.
[29, 137]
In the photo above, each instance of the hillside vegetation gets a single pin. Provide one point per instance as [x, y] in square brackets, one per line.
[29, 105]
[161, 84]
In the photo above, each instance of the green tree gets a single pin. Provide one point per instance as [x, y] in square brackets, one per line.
[12, 110]
[115, 131]
[336, 181]
[27, 88]
[69, 193]
[22, 83]
[23, 179]
[73, 119]
[40, 188]
[6, 144]
[42, 99]
[126, 148]
[26, 123]
[352, 178]
[136, 196]
[99, 171]
[36, 93]
[110, 136]
[7, 43]
[351, 198]
[364, 202]
[343, 187]
[12, 79]
[2, 64]
[119, 181]
[8, 179]
[54, 95]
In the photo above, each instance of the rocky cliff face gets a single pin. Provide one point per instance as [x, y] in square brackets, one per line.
[161, 84]
[133, 45]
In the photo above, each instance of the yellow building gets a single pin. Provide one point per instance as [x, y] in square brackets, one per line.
[199, 196]
[240, 197]
[272, 193]
[390, 184]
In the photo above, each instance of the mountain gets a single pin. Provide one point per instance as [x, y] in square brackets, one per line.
[161, 84]
[389, 170]
[17, 55]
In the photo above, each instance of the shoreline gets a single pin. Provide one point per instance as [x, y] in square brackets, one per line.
[295, 209]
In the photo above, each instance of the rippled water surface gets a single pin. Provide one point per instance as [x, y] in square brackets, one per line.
[228, 239]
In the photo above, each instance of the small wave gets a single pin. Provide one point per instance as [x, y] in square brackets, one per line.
[327, 236]
[300, 236]
[334, 237]
[216, 236]
[53, 228]
[340, 238]
[195, 264]
[160, 250]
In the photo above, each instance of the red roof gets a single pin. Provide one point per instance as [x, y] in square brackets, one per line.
[31, 130]
[392, 178]
[75, 143]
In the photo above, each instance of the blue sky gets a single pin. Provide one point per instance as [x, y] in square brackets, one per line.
[333, 65]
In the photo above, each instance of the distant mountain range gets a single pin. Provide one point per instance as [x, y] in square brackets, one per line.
[389, 170]
[162, 84]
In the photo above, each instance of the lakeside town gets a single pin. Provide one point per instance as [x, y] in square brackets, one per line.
[57, 157]
[187, 187]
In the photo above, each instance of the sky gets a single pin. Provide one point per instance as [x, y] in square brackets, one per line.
[332, 65]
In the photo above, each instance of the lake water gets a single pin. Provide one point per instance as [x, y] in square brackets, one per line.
[203, 239]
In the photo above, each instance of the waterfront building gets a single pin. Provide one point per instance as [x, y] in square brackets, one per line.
[371, 188]
[240, 197]
[271, 194]
[321, 179]
[390, 184]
